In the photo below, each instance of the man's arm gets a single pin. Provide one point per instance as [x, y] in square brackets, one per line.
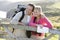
[16, 18]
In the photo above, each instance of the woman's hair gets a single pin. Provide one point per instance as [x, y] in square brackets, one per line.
[35, 19]
[39, 9]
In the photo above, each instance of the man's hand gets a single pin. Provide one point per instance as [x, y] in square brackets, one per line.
[21, 23]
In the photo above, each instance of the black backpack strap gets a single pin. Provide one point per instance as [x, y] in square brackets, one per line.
[21, 18]
[28, 33]
[22, 9]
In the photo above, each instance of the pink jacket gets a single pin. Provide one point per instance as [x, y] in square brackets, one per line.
[43, 21]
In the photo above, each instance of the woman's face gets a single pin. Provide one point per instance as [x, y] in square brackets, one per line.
[36, 13]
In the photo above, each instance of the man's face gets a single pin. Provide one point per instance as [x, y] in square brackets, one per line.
[29, 9]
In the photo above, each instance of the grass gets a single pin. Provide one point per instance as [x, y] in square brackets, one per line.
[55, 20]
[56, 5]
[55, 37]
[2, 39]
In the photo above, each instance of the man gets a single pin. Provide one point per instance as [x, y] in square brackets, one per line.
[27, 14]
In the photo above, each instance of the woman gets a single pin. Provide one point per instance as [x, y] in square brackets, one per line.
[39, 19]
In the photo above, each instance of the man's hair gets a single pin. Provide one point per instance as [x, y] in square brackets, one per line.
[32, 6]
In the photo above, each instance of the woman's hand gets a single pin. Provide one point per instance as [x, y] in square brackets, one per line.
[39, 25]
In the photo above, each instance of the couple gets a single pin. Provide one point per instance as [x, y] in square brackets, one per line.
[32, 16]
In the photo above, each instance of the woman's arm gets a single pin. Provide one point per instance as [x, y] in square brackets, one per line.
[49, 24]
